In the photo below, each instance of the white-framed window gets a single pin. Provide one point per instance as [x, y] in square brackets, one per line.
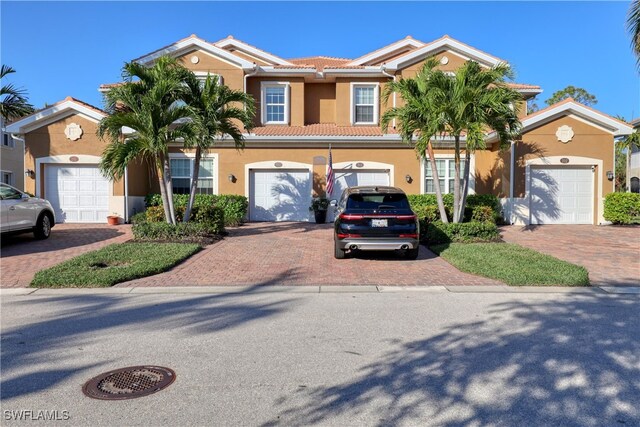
[181, 169]
[275, 103]
[7, 177]
[364, 103]
[202, 76]
[7, 140]
[446, 174]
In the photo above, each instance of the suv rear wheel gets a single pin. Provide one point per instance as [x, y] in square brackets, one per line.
[412, 253]
[42, 229]
[338, 253]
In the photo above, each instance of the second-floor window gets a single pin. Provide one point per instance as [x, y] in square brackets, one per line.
[365, 104]
[275, 103]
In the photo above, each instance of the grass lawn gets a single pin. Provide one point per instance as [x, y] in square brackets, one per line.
[114, 264]
[512, 264]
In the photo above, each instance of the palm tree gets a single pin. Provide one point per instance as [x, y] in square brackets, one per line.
[416, 118]
[215, 113]
[14, 102]
[151, 106]
[470, 102]
[633, 25]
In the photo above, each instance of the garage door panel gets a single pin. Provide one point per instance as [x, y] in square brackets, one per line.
[280, 195]
[77, 193]
[561, 195]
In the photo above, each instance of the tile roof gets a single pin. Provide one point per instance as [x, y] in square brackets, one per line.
[319, 62]
[522, 86]
[319, 129]
[571, 100]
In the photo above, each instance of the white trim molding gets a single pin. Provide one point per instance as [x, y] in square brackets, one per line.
[571, 107]
[263, 101]
[252, 51]
[376, 102]
[192, 42]
[525, 216]
[407, 42]
[444, 43]
[55, 112]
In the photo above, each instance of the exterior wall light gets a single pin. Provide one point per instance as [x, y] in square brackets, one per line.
[610, 175]
[232, 178]
[29, 173]
[408, 179]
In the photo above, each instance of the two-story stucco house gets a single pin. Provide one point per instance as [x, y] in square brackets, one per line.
[558, 172]
[11, 159]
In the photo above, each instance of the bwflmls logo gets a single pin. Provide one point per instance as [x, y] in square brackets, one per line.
[35, 415]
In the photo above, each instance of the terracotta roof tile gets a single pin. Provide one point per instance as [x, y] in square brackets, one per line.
[319, 62]
[522, 86]
[68, 98]
[319, 129]
[568, 100]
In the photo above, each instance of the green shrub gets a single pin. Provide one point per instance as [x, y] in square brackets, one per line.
[235, 207]
[438, 232]
[622, 208]
[139, 217]
[211, 216]
[154, 214]
[181, 232]
[473, 200]
[483, 214]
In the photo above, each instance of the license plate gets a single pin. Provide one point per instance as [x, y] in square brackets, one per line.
[379, 223]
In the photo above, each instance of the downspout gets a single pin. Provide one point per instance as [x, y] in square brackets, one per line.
[252, 73]
[512, 168]
[393, 76]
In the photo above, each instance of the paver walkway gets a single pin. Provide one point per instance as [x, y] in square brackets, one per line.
[611, 254]
[21, 256]
[302, 254]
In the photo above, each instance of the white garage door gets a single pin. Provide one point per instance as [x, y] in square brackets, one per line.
[345, 178]
[562, 195]
[77, 193]
[279, 195]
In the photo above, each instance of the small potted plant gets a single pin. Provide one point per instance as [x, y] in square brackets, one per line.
[113, 219]
[319, 207]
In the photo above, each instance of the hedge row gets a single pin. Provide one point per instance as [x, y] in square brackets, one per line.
[465, 232]
[423, 203]
[235, 207]
[181, 232]
[622, 208]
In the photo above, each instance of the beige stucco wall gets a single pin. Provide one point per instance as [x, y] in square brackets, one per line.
[12, 160]
[296, 97]
[232, 75]
[319, 103]
[50, 140]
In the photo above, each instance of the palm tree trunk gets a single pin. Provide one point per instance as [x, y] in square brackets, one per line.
[465, 184]
[163, 191]
[194, 184]
[169, 188]
[456, 180]
[628, 167]
[436, 183]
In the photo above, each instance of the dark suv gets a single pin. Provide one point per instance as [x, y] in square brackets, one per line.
[375, 219]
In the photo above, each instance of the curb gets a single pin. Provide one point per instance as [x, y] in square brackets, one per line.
[317, 289]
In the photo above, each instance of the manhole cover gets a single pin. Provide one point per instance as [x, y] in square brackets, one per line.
[129, 383]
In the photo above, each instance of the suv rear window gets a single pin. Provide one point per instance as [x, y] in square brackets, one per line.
[378, 201]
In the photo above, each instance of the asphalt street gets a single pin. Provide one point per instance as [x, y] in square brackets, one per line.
[256, 358]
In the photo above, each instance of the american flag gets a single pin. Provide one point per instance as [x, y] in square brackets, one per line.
[330, 177]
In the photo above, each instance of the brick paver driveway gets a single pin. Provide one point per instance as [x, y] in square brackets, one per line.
[610, 254]
[22, 256]
[301, 254]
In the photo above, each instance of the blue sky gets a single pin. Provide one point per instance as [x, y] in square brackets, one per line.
[70, 48]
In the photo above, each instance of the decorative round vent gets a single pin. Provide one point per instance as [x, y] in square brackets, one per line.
[444, 60]
[195, 59]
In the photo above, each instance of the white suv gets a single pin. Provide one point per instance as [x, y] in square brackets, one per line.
[20, 212]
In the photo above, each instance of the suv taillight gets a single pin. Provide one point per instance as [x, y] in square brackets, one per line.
[350, 216]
